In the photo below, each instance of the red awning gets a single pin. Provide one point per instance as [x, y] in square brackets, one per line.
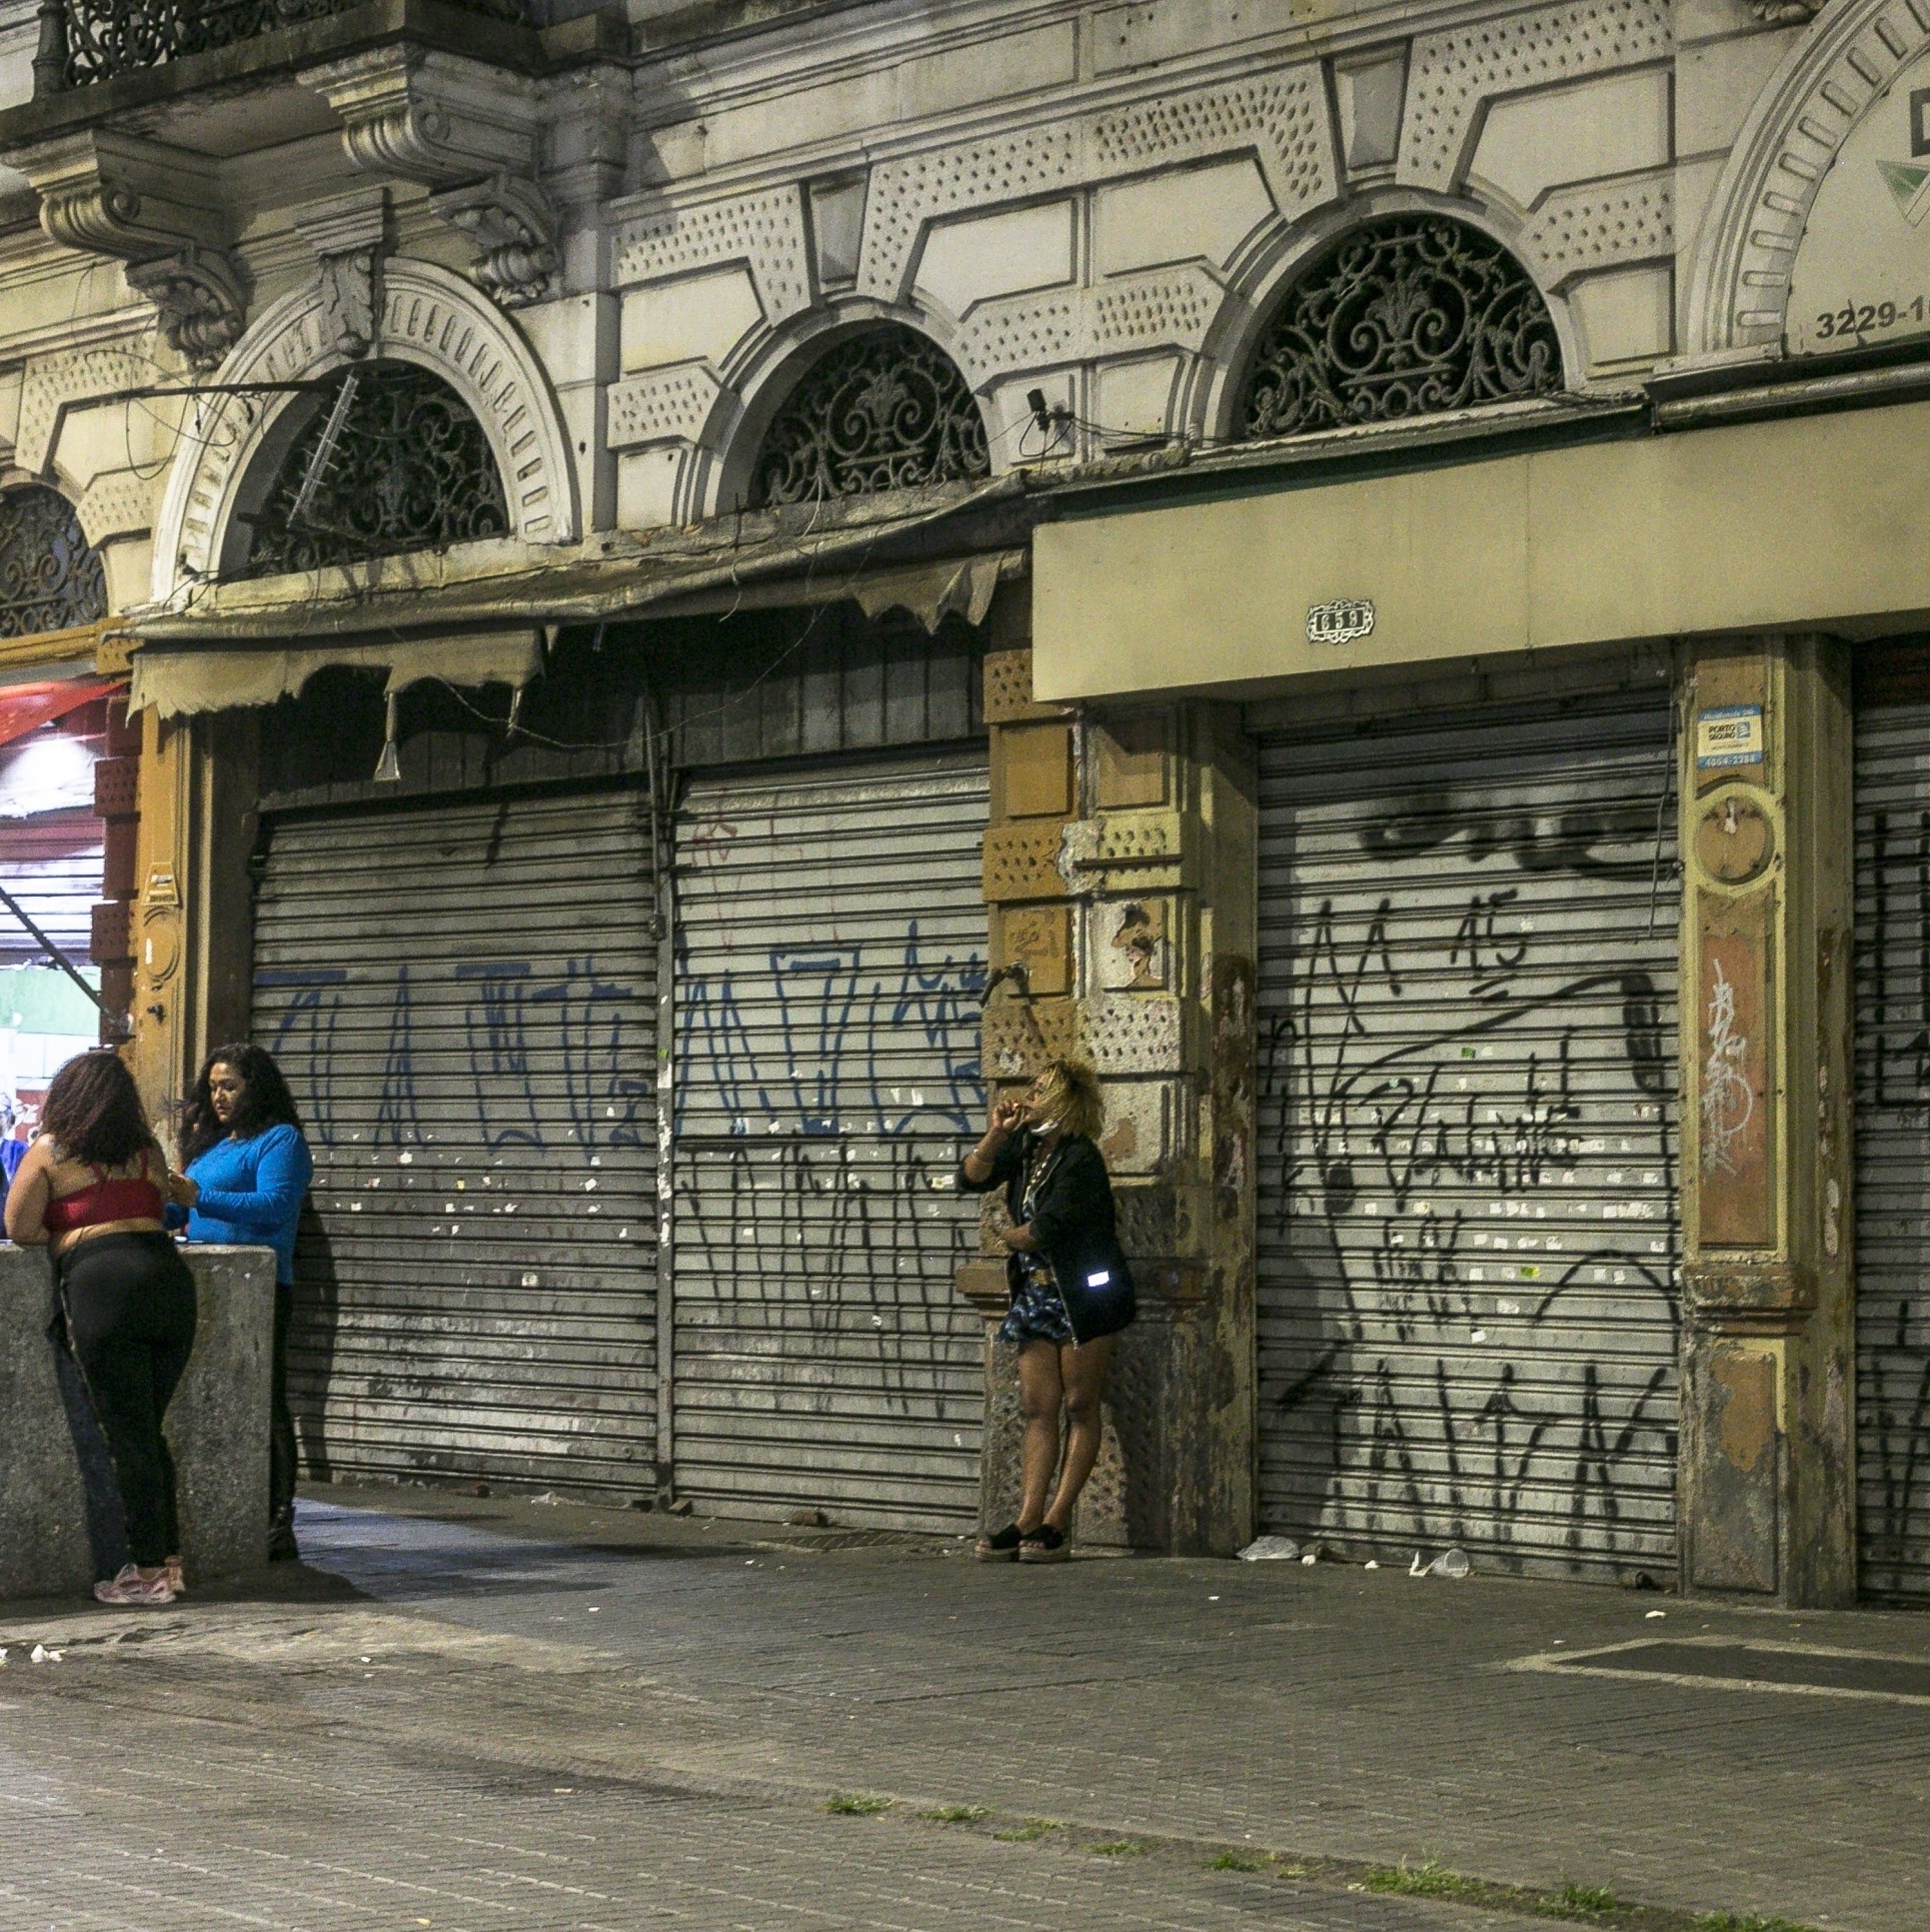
[25, 708]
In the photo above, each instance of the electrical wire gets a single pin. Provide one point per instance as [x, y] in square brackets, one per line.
[1062, 420]
[820, 609]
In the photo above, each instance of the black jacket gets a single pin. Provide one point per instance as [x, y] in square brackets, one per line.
[1074, 1224]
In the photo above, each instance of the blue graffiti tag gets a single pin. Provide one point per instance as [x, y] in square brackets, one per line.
[495, 1024]
[304, 1043]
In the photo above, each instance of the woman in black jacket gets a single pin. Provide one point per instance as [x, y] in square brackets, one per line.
[1071, 1290]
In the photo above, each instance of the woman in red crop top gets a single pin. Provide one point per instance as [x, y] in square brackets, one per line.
[94, 1187]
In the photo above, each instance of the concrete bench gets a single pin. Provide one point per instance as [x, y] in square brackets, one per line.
[60, 1516]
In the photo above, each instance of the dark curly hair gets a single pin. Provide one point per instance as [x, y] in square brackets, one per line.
[93, 1111]
[265, 1100]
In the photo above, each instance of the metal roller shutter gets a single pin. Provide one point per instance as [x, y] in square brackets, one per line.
[1468, 1227]
[1892, 1134]
[463, 1000]
[51, 862]
[831, 945]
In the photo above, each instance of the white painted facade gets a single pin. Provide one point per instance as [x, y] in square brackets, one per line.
[1100, 202]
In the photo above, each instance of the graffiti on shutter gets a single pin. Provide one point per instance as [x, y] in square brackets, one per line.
[1469, 1209]
[1893, 1150]
[831, 950]
[463, 997]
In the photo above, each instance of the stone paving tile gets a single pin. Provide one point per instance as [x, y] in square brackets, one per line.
[341, 1826]
[1321, 1710]
[701, 1693]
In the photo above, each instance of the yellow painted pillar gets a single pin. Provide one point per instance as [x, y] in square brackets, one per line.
[194, 912]
[1767, 1474]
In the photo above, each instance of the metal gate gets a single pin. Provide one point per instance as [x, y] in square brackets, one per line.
[831, 945]
[1469, 1220]
[51, 862]
[1893, 1149]
[462, 997]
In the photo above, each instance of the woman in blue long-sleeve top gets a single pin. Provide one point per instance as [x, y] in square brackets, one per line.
[247, 1174]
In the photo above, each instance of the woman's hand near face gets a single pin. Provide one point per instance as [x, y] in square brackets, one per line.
[1006, 1117]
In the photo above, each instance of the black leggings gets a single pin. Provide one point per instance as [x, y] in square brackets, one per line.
[131, 1309]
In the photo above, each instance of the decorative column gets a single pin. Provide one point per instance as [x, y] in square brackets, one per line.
[1767, 1485]
[116, 803]
[1120, 876]
[193, 922]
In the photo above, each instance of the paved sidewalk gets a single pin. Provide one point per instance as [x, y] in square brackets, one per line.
[463, 1712]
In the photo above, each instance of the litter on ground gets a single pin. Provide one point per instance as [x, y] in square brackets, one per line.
[1271, 1549]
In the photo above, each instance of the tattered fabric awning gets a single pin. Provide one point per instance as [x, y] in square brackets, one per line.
[217, 674]
[449, 616]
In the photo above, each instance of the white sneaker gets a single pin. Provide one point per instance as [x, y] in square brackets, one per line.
[130, 1586]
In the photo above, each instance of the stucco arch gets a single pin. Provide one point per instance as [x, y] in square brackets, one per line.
[761, 375]
[1739, 281]
[1261, 279]
[427, 317]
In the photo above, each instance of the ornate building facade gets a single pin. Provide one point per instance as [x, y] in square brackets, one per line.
[706, 584]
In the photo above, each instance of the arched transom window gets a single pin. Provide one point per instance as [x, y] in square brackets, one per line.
[50, 575]
[388, 459]
[886, 410]
[1402, 317]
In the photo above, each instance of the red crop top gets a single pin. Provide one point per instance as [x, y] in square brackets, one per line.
[106, 1200]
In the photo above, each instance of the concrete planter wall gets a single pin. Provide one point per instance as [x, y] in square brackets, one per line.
[59, 1513]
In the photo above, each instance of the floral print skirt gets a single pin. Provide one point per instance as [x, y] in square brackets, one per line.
[1038, 1309]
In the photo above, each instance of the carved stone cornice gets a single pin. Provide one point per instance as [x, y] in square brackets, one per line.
[513, 228]
[201, 295]
[348, 235]
[156, 209]
[466, 129]
[114, 194]
[429, 116]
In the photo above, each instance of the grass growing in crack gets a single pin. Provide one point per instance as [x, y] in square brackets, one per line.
[856, 1804]
[1122, 1848]
[1588, 1898]
[1425, 1881]
[1580, 1903]
[957, 1814]
[1236, 1861]
[1030, 1832]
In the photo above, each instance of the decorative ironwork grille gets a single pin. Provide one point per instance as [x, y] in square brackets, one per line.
[1403, 317]
[50, 575]
[109, 37]
[407, 468]
[887, 410]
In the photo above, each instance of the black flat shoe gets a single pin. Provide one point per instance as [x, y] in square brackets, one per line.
[1002, 1546]
[1044, 1545]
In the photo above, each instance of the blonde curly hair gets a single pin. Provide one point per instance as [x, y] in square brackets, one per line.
[1070, 1089]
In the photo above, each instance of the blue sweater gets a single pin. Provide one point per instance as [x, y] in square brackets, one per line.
[251, 1193]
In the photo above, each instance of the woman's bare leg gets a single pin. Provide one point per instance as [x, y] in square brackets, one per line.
[1082, 1373]
[1040, 1397]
